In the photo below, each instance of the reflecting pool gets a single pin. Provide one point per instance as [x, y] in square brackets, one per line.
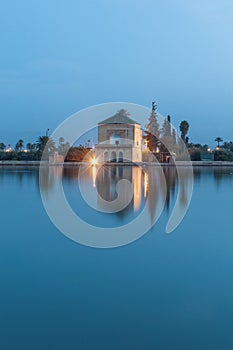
[163, 291]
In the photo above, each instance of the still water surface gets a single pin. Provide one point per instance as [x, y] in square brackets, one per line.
[160, 292]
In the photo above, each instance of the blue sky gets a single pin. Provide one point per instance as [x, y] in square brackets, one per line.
[58, 57]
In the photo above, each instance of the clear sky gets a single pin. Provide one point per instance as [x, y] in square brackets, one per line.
[60, 56]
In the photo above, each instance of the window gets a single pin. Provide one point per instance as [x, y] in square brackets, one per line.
[115, 139]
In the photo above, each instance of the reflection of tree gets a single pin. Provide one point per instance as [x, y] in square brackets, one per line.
[222, 174]
[70, 172]
[163, 185]
[155, 184]
[170, 174]
[19, 172]
[49, 175]
[153, 189]
[218, 173]
[184, 183]
[196, 174]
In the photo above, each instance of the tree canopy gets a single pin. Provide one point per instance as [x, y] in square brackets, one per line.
[152, 130]
[184, 127]
[218, 140]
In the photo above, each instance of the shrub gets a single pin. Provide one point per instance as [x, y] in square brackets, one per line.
[223, 155]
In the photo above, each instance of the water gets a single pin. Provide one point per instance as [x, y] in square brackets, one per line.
[160, 292]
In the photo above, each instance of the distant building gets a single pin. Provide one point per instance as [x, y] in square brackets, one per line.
[207, 156]
[119, 139]
[56, 158]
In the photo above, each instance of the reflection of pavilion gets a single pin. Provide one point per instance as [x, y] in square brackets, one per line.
[119, 139]
[152, 185]
[108, 177]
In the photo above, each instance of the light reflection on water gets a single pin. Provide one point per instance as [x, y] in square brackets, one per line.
[155, 185]
[161, 292]
[125, 189]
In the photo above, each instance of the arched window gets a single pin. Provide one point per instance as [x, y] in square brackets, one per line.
[113, 156]
[120, 157]
[106, 156]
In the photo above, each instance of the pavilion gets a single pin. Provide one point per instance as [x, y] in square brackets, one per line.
[119, 139]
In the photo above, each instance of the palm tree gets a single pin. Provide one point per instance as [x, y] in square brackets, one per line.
[19, 145]
[31, 146]
[184, 127]
[45, 142]
[2, 146]
[218, 140]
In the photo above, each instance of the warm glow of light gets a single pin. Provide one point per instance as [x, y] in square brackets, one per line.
[137, 190]
[146, 184]
[208, 149]
[94, 161]
[157, 150]
[8, 150]
[94, 173]
[217, 148]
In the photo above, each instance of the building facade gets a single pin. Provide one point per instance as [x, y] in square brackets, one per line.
[119, 139]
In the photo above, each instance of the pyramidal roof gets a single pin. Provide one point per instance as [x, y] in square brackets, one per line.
[121, 117]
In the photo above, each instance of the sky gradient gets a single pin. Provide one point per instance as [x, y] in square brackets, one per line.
[58, 57]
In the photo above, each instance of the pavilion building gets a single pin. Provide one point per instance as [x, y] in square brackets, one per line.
[119, 139]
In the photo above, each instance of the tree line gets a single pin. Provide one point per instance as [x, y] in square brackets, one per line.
[32, 151]
[161, 140]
